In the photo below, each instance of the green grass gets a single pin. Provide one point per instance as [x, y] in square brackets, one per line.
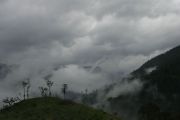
[52, 109]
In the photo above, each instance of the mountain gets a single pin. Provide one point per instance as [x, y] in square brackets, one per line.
[167, 67]
[162, 82]
[48, 108]
[161, 88]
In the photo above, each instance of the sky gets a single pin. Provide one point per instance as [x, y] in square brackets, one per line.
[85, 43]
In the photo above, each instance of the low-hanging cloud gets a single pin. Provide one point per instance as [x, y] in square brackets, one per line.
[125, 88]
[40, 36]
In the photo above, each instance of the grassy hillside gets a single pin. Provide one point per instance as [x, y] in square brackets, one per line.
[52, 109]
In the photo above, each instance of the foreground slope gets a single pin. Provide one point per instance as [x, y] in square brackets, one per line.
[52, 109]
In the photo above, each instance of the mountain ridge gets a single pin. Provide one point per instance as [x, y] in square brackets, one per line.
[161, 87]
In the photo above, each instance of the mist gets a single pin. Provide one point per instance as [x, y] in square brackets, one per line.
[88, 45]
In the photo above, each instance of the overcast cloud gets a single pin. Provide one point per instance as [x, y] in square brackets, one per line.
[116, 35]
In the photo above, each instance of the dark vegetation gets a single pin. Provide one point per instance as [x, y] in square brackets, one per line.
[49, 108]
[152, 112]
[167, 74]
[159, 98]
[162, 86]
[64, 90]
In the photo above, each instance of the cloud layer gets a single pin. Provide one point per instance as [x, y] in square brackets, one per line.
[40, 35]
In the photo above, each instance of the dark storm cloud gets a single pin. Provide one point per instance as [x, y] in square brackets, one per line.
[125, 8]
[27, 24]
[116, 35]
[134, 9]
[38, 24]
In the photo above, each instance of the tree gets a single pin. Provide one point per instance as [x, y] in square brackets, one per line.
[64, 89]
[43, 91]
[24, 84]
[10, 101]
[28, 87]
[49, 83]
[27, 90]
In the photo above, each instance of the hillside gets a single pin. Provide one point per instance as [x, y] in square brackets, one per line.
[52, 109]
[161, 87]
[166, 72]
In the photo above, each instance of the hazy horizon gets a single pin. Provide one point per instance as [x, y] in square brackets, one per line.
[87, 44]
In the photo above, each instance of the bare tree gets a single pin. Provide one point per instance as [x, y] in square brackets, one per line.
[49, 83]
[43, 91]
[27, 90]
[10, 101]
[24, 84]
[64, 89]
[28, 87]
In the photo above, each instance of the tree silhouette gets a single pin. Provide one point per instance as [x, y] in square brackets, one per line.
[43, 91]
[24, 84]
[10, 101]
[49, 83]
[64, 89]
[27, 90]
